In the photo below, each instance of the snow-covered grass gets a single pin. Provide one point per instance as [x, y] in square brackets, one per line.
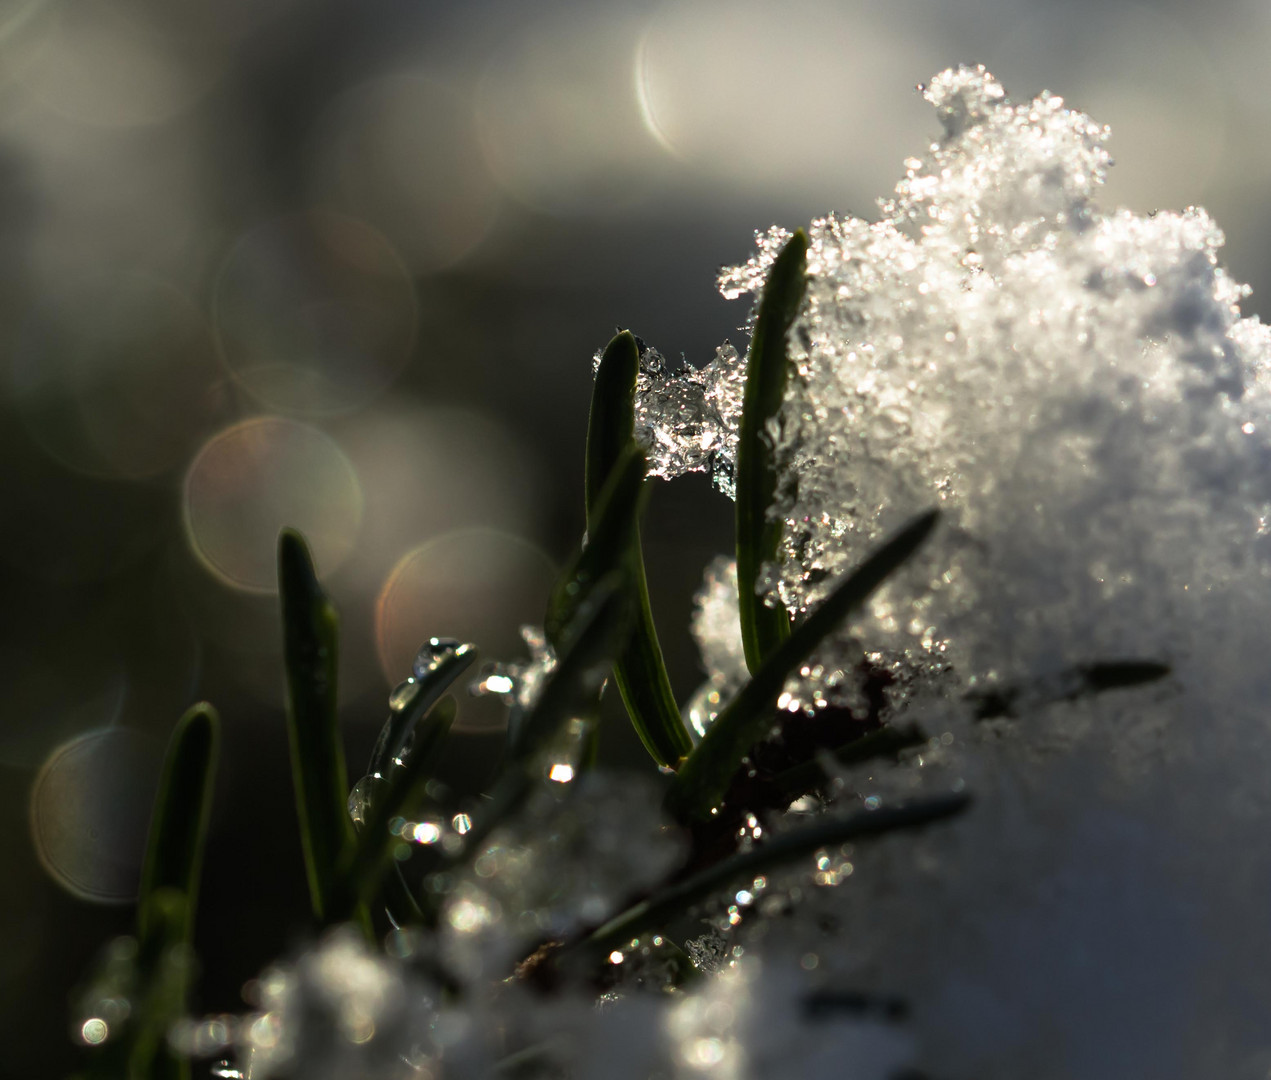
[1002, 463]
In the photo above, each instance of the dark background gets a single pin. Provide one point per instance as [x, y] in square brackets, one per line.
[344, 266]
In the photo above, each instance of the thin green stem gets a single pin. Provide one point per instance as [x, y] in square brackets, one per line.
[373, 855]
[639, 670]
[764, 628]
[317, 754]
[657, 911]
[178, 827]
[704, 777]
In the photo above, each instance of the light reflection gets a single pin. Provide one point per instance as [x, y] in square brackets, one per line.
[426, 832]
[429, 471]
[314, 314]
[88, 812]
[475, 584]
[94, 1031]
[116, 375]
[737, 126]
[106, 199]
[401, 153]
[1143, 73]
[257, 476]
[109, 64]
[67, 704]
[558, 121]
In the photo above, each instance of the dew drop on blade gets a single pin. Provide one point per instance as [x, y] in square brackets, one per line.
[433, 652]
[403, 694]
[360, 798]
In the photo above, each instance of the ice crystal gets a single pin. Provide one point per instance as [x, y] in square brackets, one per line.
[686, 421]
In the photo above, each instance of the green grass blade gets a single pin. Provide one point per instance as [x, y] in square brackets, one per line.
[670, 904]
[611, 422]
[618, 511]
[639, 670]
[764, 628]
[178, 826]
[373, 855]
[158, 972]
[572, 691]
[587, 647]
[704, 777]
[317, 755]
[428, 691]
[166, 968]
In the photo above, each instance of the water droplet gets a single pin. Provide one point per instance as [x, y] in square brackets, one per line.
[434, 651]
[361, 796]
[403, 694]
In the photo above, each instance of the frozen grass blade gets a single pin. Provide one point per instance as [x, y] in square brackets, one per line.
[702, 781]
[764, 628]
[373, 855]
[317, 755]
[670, 904]
[639, 669]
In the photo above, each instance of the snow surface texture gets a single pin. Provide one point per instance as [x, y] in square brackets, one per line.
[1079, 393]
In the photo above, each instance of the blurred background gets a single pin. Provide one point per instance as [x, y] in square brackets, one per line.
[343, 266]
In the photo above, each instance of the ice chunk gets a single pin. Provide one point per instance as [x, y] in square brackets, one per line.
[687, 421]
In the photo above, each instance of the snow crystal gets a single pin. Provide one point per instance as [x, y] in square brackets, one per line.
[687, 421]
